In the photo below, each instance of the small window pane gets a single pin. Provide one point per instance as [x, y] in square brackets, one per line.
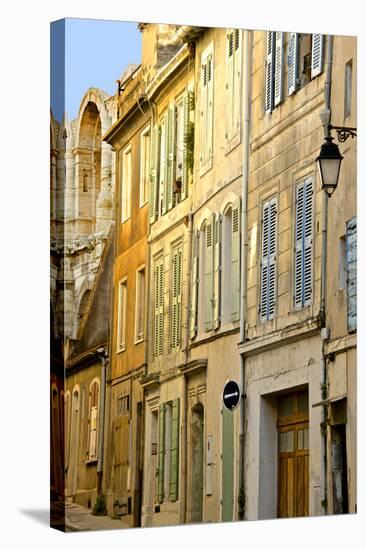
[287, 406]
[300, 440]
[306, 438]
[286, 442]
[303, 403]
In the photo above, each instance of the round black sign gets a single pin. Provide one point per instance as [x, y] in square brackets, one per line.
[231, 395]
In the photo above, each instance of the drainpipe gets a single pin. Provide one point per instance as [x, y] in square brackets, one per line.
[244, 248]
[324, 334]
[104, 359]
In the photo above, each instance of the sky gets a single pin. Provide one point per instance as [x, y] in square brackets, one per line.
[94, 54]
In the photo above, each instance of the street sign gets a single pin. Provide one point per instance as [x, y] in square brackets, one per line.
[231, 395]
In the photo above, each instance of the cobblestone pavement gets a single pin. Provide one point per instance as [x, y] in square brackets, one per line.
[80, 518]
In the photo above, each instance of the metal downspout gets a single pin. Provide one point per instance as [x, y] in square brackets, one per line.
[104, 359]
[244, 247]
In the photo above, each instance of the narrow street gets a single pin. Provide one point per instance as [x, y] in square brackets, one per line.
[80, 518]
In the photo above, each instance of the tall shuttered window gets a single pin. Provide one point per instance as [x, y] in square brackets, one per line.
[268, 260]
[233, 83]
[305, 59]
[168, 451]
[351, 255]
[176, 297]
[206, 110]
[208, 274]
[145, 152]
[158, 308]
[93, 419]
[122, 315]
[154, 174]
[303, 284]
[235, 261]
[140, 305]
[126, 184]
[273, 93]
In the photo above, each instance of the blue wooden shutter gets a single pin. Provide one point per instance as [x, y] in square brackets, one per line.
[269, 260]
[269, 67]
[195, 281]
[235, 262]
[209, 274]
[293, 63]
[161, 453]
[303, 244]
[174, 452]
[351, 255]
[278, 72]
[317, 45]
[154, 174]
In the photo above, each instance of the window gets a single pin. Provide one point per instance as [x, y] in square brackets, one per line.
[163, 165]
[206, 121]
[233, 83]
[123, 404]
[268, 260]
[168, 451]
[273, 93]
[122, 315]
[348, 89]
[93, 419]
[144, 165]
[154, 175]
[140, 305]
[126, 184]
[158, 308]
[226, 266]
[176, 297]
[304, 243]
[351, 253]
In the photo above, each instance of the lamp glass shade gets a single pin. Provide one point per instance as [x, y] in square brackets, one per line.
[329, 164]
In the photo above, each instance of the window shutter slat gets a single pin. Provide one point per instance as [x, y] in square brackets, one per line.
[268, 260]
[278, 76]
[217, 271]
[317, 44]
[194, 298]
[176, 299]
[174, 452]
[154, 174]
[184, 191]
[303, 244]
[268, 87]
[293, 63]
[235, 262]
[161, 456]
[209, 257]
[351, 255]
[158, 308]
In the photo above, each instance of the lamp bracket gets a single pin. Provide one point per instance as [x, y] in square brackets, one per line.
[343, 132]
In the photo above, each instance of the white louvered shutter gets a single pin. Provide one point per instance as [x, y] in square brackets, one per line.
[210, 101]
[268, 85]
[303, 243]
[278, 75]
[351, 255]
[159, 309]
[170, 154]
[154, 174]
[217, 271]
[209, 274]
[176, 312]
[184, 191]
[317, 44]
[237, 80]
[195, 289]
[235, 262]
[229, 84]
[292, 63]
[268, 260]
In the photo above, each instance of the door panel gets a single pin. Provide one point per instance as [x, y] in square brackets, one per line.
[227, 464]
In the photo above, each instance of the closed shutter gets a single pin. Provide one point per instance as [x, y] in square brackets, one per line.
[229, 84]
[170, 162]
[209, 107]
[278, 76]
[268, 85]
[176, 299]
[203, 140]
[237, 80]
[174, 452]
[303, 244]
[94, 398]
[209, 274]
[161, 454]
[317, 44]
[235, 262]
[268, 260]
[159, 309]
[154, 174]
[217, 271]
[195, 280]
[184, 191]
[293, 63]
[351, 255]
[164, 142]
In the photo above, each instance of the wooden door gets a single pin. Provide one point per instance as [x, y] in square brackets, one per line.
[227, 464]
[293, 459]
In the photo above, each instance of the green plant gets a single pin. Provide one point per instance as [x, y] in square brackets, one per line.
[189, 145]
[100, 508]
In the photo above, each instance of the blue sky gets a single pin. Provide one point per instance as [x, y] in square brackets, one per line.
[96, 54]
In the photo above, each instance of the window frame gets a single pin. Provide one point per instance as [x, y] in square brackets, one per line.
[138, 304]
[144, 178]
[122, 315]
[126, 215]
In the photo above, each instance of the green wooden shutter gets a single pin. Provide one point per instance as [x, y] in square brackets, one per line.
[268, 260]
[170, 154]
[217, 271]
[184, 191]
[176, 319]
[303, 243]
[174, 452]
[229, 84]
[317, 45]
[293, 63]
[278, 72]
[161, 454]
[159, 309]
[237, 80]
[210, 101]
[351, 255]
[235, 262]
[209, 274]
[268, 84]
[164, 162]
[154, 174]
[195, 280]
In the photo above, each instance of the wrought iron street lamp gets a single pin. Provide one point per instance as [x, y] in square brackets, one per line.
[330, 159]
